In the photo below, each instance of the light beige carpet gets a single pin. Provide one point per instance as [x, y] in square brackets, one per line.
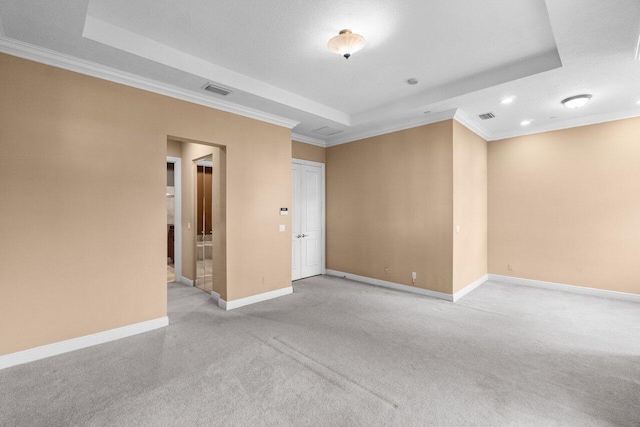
[340, 353]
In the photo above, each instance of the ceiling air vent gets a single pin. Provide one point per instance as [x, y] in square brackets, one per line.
[217, 89]
[486, 116]
[326, 131]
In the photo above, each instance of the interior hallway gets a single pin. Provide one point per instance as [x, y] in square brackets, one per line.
[337, 352]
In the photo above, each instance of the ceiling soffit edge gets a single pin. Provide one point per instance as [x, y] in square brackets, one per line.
[463, 118]
[308, 140]
[127, 41]
[484, 80]
[394, 127]
[70, 63]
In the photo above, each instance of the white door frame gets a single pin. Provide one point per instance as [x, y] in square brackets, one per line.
[177, 233]
[324, 206]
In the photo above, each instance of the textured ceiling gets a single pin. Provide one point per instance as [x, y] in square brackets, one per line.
[467, 55]
[283, 43]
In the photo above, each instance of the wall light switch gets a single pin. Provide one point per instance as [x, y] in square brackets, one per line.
[457, 228]
[282, 227]
[188, 226]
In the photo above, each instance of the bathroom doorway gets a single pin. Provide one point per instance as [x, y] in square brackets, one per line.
[200, 227]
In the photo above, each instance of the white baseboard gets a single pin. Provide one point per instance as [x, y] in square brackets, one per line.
[215, 296]
[392, 285]
[565, 288]
[237, 303]
[54, 349]
[186, 281]
[470, 287]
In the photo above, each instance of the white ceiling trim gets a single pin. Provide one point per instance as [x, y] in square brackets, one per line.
[308, 140]
[398, 126]
[119, 38]
[59, 60]
[463, 118]
[568, 124]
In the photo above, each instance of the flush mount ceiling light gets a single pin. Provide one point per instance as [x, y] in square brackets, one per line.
[525, 123]
[346, 43]
[576, 101]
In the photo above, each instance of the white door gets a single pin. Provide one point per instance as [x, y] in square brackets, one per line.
[307, 220]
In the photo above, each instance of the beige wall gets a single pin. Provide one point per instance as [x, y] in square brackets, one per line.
[469, 207]
[174, 148]
[313, 153]
[390, 204]
[93, 153]
[564, 206]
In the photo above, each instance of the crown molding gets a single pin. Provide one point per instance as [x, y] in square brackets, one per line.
[67, 62]
[308, 140]
[568, 124]
[395, 127]
[463, 118]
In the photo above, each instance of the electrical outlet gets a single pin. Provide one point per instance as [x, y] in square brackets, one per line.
[414, 275]
[386, 270]
[510, 267]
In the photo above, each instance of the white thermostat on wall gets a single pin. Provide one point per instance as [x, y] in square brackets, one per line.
[284, 211]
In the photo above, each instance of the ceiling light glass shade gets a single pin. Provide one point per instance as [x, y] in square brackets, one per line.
[346, 43]
[576, 101]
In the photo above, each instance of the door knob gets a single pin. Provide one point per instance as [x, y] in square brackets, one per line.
[299, 236]
[304, 235]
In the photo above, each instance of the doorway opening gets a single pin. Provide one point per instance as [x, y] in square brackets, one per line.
[200, 225]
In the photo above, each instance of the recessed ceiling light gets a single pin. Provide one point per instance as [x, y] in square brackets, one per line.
[507, 100]
[412, 81]
[346, 43]
[525, 122]
[576, 101]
